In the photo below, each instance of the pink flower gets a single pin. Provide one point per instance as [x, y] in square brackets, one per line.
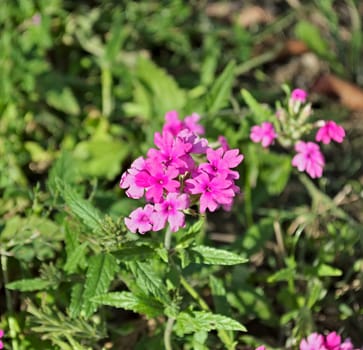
[332, 341]
[155, 180]
[220, 162]
[346, 345]
[330, 131]
[170, 210]
[191, 123]
[140, 219]
[128, 179]
[299, 95]
[223, 142]
[314, 341]
[261, 348]
[214, 191]
[309, 158]
[172, 123]
[1, 335]
[264, 134]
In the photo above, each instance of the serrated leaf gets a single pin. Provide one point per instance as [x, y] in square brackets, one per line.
[129, 301]
[75, 306]
[80, 207]
[75, 258]
[64, 168]
[134, 253]
[29, 284]
[149, 281]
[205, 321]
[209, 255]
[100, 272]
[220, 91]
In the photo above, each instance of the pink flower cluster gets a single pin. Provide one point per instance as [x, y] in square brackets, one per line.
[1, 335]
[309, 157]
[181, 171]
[315, 341]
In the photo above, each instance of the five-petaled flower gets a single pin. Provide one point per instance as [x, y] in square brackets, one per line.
[265, 134]
[330, 131]
[309, 158]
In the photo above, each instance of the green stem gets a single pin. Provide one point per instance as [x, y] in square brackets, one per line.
[223, 335]
[106, 85]
[167, 239]
[167, 333]
[4, 268]
[170, 322]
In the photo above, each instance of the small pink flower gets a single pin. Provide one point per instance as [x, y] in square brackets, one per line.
[346, 345]
[140, 219]
[170, 210]
[332, 341]
[330, 131]
[191, 123]
[299, 95]
[214, 191]
[264, 134]
[314, 341]
[261, 348]
[309, 159]
[1, 335]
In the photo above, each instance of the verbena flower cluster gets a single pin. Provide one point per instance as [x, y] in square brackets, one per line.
[181, 171]
[316, 341]
[290, 125]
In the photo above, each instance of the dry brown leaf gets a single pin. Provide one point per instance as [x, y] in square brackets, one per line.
[350, 95]
[252, 15]
[292, 47]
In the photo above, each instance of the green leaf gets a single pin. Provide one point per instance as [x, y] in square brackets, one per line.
[29, 284]
[63, 100]
[204, 321]
[129, 301]
[209, 255]
[75, 258]
[310, 34]
[260, 112]
[325, 270]
[285, 274]
[75, 306]
[100, 272]
[80, 207]
[65, 168]
[220, 91]
[134, 253]
[149, 281]
[219, 296]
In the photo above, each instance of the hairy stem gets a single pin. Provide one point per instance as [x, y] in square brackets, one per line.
[167, 333]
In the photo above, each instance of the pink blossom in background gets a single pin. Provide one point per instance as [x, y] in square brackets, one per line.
[191, 123]
[264, 134]
[314, 341]
[332, 341]
[140, 219]
[309, 159]
[261, 348]
[299, 95]
[330, 131]
[170, 210]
